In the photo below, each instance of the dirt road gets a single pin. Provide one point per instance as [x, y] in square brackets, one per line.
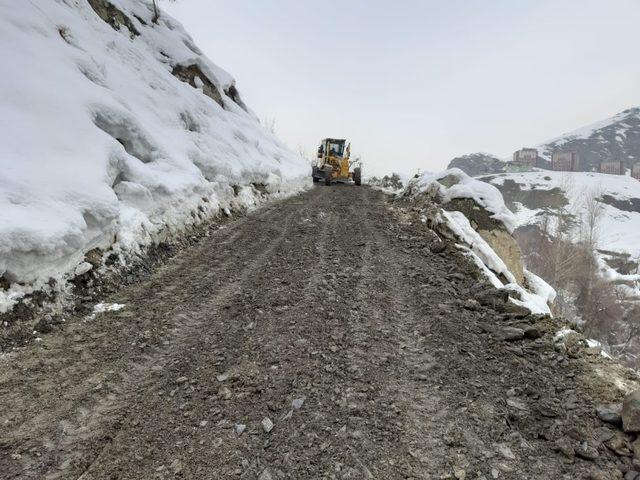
[329, 315]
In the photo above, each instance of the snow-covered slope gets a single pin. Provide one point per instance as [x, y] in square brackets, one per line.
[116, 130]
[619, 228]
[531, 194]
[615, 138]
[454, 184]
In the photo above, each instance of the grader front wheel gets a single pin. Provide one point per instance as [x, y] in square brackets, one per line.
[357, 176]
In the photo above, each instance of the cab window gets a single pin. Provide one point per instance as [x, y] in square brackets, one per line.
[337, 148]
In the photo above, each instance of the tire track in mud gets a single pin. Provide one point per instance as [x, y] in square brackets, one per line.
[185, 335]
[83, 409]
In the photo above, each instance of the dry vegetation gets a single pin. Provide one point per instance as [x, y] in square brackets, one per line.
[563, 251]
[391, 182]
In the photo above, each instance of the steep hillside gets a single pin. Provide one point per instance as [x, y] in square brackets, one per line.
[581, 232]
[117, 132]
[616, 138]
[532, 194]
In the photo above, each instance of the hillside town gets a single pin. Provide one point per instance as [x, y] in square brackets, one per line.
[569, 161]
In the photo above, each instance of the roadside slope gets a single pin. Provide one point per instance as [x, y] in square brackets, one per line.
[334, 297]
[120, 133]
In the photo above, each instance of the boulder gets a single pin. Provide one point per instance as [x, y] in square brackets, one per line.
[512, 333]
[532, 332]
[610, 414]
[492, 297]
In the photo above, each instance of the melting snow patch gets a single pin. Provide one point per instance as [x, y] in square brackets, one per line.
[596, 344]
[107, 307]
[562, 334]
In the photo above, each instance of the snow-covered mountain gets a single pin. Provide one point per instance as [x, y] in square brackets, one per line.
[116, 130]
[616, 138]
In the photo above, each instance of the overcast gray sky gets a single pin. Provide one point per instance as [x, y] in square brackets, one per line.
[415, 83]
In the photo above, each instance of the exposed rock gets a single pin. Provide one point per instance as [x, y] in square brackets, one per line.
[438, 247]
[267, 424]
[565, 446]
[636, 449]
[620, 445]
[516, 193]
[471, 304]
[505, 451]
[459, 474]
[507, 249]
[94, 257]
[517, 311]
[233, 94]
[586, 451]
[194, 76]
[492, 297]
[512, 333]
[631, 412]
[610, 414]
[113, 16]
[478, 164]
[532, 332]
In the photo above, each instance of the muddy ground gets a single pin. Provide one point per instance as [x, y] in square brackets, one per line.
[330, 315]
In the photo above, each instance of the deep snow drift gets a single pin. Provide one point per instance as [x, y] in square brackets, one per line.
[116, 131]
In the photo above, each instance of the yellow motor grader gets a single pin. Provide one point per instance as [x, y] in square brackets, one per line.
[334, 163]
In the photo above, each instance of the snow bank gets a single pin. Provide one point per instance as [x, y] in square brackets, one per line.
[538, 295]
[484, 194]
[535, 294]
[103, 145]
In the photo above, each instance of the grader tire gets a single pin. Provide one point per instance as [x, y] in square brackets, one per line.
[357, 176]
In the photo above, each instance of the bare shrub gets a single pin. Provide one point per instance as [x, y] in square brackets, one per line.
[563, 251]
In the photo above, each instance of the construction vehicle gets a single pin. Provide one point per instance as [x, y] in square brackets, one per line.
[334, 163]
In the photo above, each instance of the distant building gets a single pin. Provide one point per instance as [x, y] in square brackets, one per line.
[565, 161]
[635, 171]
[614, 167]
[526, 157]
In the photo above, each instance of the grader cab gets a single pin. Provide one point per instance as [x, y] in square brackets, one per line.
[334, 163]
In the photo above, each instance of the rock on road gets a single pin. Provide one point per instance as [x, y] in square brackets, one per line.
[318, 337]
